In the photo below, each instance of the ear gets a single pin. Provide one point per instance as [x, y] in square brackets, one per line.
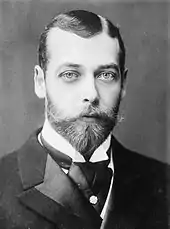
[124, 77]
[39, 82]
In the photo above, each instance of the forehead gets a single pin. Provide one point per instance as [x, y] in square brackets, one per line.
[65, 46]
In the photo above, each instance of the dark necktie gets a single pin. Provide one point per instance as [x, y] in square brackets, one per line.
[93, 179]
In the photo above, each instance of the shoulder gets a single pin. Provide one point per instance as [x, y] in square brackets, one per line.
[142, 184]
[151, 173]
[8, 163]
[137, 161]
[9, 170]
[10, 182]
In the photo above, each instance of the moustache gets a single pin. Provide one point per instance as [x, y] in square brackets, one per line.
[96, 113]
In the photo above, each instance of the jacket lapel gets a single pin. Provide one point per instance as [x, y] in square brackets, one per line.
[56, 198]
[121, 211]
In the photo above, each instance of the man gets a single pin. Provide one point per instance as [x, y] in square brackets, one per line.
[72, 173]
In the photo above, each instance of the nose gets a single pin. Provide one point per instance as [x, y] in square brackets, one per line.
[90, 91]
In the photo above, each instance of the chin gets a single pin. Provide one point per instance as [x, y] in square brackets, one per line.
[86, 137]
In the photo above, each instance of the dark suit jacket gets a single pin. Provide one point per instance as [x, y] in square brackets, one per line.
[138, 199]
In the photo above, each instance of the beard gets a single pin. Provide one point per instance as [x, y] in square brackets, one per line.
[84, 136]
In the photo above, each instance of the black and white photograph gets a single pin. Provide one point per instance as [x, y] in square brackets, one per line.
[84, 114]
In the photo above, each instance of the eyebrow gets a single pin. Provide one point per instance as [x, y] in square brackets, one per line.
[108, 66]
[101, 67]
[70, 65]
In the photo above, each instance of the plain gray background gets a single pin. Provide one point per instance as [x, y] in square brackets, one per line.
[144, 27]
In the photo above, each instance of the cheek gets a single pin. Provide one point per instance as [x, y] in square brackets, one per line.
[62, 98]
[110, 96]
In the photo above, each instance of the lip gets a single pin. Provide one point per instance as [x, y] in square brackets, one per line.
[89, 118]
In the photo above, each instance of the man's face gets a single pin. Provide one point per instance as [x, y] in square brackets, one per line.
[82, 87]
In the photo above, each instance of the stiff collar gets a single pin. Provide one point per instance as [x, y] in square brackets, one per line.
[58, 142]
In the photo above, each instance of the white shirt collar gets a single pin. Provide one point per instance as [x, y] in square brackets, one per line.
[58, 142]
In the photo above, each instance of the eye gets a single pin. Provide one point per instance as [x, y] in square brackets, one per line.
[107, 76]
[70, 75]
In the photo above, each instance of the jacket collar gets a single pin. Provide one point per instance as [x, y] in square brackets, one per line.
[126, 205]
[32, 158]
[69, 203]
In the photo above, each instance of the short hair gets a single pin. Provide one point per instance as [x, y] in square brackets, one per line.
[84, 24]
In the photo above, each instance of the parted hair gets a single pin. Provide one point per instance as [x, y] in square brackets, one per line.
[84, 24]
